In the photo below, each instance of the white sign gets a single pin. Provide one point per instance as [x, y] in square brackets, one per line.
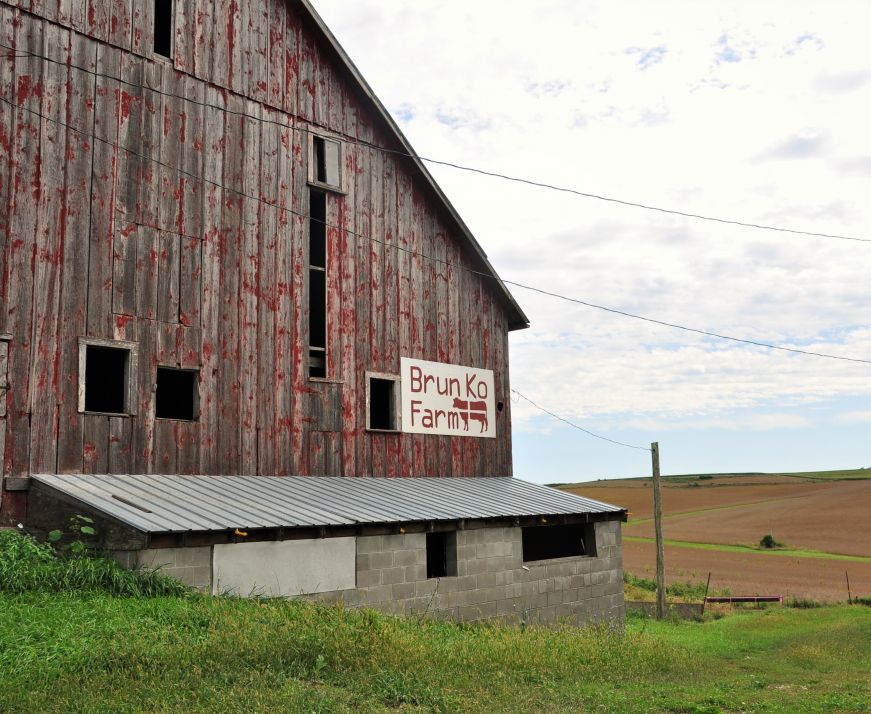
[447, 399]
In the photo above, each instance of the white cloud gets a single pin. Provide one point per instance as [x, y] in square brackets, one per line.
[644, 102]
[860, 417]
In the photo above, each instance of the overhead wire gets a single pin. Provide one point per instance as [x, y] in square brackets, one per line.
[450, 164]
[397, 247]
[576, 426]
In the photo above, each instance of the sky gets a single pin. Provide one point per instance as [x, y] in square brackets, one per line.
[748, 111]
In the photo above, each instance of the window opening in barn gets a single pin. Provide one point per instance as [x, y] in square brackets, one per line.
[559, 541]
[106, 375]
[325, 162]
[176, 394]
[163, 28]
[441, 554]
[382, 398]
[317, 284]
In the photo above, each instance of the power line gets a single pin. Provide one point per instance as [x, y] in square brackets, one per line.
[579, 428]
[685, 328]
[646, 207]
[439, 162]
[410, 251]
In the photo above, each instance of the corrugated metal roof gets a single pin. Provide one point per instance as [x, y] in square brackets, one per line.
[175, 504]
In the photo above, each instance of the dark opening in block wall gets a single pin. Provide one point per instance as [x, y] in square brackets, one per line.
[441, 554]
[560, 541]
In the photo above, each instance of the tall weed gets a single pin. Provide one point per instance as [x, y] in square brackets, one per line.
[29, 566]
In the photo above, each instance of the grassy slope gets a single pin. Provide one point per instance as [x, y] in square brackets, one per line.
[725, 548]
[93, 652]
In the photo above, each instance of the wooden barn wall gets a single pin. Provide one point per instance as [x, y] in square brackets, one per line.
[169, 208]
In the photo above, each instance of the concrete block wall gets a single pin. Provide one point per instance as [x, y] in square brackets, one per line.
[492, 582]
[193, 566]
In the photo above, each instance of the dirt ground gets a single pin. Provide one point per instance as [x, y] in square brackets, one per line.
[831, 516]
[752, 574]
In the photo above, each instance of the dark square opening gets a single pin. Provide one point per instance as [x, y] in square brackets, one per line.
[106, 379]
[563, 541]
[441, 554]
[382, 409]
[176, 394]
[163, 28]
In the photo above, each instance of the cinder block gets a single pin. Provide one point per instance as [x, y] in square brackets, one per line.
[535, 601]
[477, 612]
[369, 544]
[414, 541]
[381, 560]
[368, 578]
[414, 573]
[378, 594]
[466, 552]
[489, 580]
[364, 561]
[403, 591]
[555, 597]
[466, 582]
[475, 566]
[389, 576]
[507, 606]
[446, 613]
[405, 557]
[425, 588]
[488, 594]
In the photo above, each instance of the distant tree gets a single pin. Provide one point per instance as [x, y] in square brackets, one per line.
[768, 541]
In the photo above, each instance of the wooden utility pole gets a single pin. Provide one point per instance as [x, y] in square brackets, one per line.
[657, 524]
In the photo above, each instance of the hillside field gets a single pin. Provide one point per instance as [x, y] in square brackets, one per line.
[713, 523]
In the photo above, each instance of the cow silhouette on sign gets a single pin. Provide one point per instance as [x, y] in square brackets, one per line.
[476, 411]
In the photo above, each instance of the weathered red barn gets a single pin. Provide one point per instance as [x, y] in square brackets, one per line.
[220, 255]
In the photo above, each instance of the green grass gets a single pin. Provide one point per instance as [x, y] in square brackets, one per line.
[69, 648]
[843, 475]
[687, 479]
[28, 566]
[724, 548]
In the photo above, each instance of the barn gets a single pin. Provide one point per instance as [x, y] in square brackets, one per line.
[244, 329]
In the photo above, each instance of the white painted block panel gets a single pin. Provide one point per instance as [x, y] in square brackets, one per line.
[284, 568]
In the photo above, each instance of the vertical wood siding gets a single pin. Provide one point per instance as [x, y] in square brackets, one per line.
[131, 211]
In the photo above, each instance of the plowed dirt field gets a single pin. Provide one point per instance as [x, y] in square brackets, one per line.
[830, 517]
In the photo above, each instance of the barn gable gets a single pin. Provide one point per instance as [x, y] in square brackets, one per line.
[160, 230]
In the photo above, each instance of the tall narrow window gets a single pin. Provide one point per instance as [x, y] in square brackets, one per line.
[163, 26]
[317, 284]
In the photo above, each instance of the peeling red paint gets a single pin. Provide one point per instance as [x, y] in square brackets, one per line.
[126, 100]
